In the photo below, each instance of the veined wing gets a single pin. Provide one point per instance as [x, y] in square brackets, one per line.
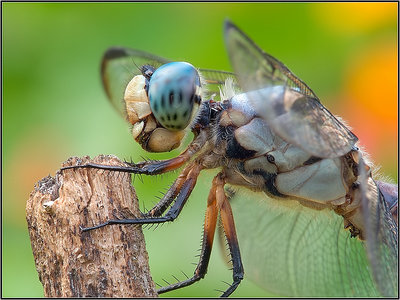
[381, 235]
[213, 80]
[292, 250]
[294, 112]
[120, 65]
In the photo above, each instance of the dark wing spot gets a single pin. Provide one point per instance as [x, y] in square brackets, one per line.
[156, 107]
[175, 117]
[171, 98]
[302, 107]
[162, 118]
[168, 117]
[185, 114]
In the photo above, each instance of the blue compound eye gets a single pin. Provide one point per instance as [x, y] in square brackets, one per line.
[174, 93]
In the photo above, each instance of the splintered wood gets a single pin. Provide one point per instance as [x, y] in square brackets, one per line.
[108, 262]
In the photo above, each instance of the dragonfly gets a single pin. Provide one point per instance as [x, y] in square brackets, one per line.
[299, 205]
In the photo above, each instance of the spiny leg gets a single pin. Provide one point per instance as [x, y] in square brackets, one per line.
[208, 237]
[230, 194]
[217, 201]
[171, 194]
[154, 167]
[146, 168]
[182, 193]
[230, 233]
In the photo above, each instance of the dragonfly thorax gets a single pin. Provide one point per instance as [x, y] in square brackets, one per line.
[240, 141]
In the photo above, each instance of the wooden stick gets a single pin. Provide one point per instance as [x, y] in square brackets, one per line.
[108, 262]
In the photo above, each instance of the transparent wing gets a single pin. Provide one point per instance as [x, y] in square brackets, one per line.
[381, 234]
[295, 113]
[292, 250]
[120, 65]
[213, 82]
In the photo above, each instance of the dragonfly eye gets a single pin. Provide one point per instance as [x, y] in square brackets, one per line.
[174, 94]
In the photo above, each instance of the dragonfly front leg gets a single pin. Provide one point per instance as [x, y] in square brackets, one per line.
[146, 168]
[180, 192]
[217, 202]
[153, 167]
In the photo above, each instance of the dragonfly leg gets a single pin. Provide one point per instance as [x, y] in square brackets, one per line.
[181, 191]
[171, 194]
[154, 167]
[230, 232]
[217, 202]
[208, 237]
[146, 168]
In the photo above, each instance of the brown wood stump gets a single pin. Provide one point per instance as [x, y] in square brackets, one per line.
[108, 262]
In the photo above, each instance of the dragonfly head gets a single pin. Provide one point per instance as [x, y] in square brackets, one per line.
[161, 103]
[174, 94]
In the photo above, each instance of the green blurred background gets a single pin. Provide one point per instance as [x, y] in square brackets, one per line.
[54, 106]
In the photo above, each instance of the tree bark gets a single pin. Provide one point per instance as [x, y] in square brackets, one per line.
[108, 262]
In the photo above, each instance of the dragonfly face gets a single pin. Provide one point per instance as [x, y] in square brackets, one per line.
[174, 94]
[266, 132]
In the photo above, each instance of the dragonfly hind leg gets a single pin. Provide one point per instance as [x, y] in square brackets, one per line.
[217, 202]
[228, 225]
